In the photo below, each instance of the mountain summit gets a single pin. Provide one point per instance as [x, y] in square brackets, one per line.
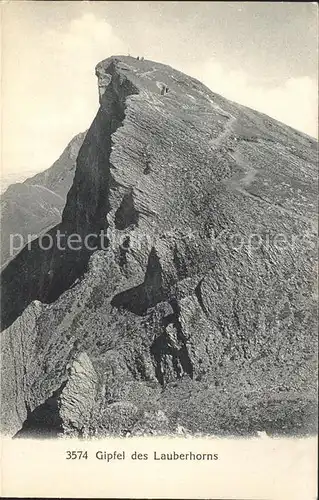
[192, 302]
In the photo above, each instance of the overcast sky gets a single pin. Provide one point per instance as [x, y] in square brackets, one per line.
[261, 54]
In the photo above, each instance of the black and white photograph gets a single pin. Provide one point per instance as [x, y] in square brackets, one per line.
[159, 224]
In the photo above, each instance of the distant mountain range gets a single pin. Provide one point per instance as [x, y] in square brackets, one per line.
[14, 178]
[34, 206]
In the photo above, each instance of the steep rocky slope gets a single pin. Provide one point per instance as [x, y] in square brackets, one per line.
[193, 313]
[34, 206]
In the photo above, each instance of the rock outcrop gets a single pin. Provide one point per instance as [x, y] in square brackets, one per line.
[197, 308]
[34, 206]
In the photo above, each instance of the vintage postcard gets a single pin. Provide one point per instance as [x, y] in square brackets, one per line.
[159, 250]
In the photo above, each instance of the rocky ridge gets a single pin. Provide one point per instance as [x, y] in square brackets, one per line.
[34, 206]
[179, 321]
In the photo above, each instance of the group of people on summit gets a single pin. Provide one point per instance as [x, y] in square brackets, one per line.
[163, 89]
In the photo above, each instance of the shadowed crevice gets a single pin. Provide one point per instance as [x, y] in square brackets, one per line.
[126, 215]
[164, 347]
[140, 298]
[44, 421]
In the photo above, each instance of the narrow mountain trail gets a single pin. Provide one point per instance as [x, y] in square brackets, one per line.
[161, 329]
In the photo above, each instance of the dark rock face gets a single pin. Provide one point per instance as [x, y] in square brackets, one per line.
[35, 205]
[194, 312]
